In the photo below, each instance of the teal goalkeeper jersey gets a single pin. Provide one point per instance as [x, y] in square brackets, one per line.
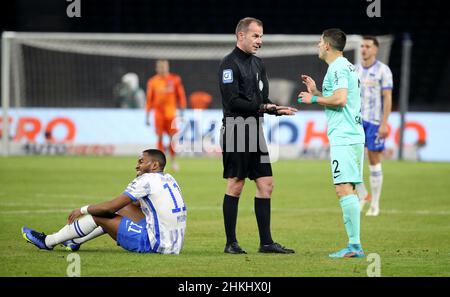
[344, 123]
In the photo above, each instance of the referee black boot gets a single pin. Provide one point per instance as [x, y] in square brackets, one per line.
[275, 248]
[234, 248]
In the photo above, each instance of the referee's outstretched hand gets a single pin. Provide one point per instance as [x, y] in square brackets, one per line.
[278, 109]
[286, 110]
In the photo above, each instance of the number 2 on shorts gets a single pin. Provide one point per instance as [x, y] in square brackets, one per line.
[336, 171]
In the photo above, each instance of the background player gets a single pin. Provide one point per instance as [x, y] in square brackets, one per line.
[128, 94]
[376, 96]
[158, 226]
[165, 92]
[341, 98]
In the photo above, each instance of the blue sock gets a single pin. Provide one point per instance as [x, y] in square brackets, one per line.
[351, 215]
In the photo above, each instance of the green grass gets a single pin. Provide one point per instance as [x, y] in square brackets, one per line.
[412, 234]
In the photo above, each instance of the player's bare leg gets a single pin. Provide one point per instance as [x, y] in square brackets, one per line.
[230, 211]
[376, 182]
[174, 165]
[132, 211]
[235, 186]
[160, 143]
[110, 225]
[264, 188]
[343, 190]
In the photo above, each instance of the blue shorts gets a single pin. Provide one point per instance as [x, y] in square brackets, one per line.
[373, 143]
[133, 236]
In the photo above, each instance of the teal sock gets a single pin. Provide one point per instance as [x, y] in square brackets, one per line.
[351, 214]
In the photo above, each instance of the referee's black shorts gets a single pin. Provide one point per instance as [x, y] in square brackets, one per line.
[245, 155]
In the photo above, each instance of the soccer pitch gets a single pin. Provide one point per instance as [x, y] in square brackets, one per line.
[411, 236]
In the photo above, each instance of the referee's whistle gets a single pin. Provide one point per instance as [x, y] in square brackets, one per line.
[299, 99]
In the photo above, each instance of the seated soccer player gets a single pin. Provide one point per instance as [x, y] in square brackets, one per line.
[157, 226]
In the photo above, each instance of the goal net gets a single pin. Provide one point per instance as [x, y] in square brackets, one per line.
[77, 70]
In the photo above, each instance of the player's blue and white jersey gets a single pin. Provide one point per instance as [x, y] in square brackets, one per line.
[165, 212]
[374, 79]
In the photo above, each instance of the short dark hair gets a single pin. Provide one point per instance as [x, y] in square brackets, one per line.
[373, 38]
[158, 156]
[243, 24]
[336, 38]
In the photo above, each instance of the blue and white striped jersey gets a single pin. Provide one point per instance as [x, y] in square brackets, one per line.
[374, 79]
[165, 212]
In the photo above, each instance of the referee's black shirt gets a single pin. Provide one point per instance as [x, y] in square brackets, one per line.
[243, 85]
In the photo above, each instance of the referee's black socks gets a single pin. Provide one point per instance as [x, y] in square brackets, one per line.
[262, 212]
[230, 211]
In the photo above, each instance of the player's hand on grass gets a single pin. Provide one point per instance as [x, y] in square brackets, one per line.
[309, 82]
[76, 213]
[305, 97]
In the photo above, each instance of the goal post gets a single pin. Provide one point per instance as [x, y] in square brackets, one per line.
[6, 63]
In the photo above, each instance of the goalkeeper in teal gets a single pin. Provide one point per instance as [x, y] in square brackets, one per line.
[341, 98]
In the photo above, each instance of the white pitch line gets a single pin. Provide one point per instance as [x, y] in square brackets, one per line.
[387, 211]
[56, 195]
[335, 210]
[207, 208]
[62, 195]
[37, 205]
[37, 211]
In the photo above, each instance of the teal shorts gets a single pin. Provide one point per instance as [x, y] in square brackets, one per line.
[347, 163]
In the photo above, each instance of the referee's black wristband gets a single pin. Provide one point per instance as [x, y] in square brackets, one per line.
[262, 108]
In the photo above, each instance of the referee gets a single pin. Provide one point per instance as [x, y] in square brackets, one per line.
[244, 89]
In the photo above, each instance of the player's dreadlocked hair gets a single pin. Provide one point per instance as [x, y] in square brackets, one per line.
[158, 156]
